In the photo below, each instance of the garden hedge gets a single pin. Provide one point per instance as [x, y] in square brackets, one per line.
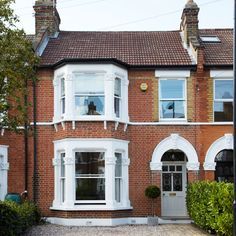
[17, 218]
[210, 205]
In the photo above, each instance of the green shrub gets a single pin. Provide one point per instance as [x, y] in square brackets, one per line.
[210, 205]
[18, 217]
[8, 220]
[152, 191]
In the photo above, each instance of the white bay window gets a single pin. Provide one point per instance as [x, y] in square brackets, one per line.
[92, 174]
[90, 92]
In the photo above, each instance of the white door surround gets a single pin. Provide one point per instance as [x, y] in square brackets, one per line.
[4, 166]
[223, 143]
[175, 141]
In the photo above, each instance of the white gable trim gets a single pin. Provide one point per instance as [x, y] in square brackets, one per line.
[225, 142]
[172, 73]
[174, 141]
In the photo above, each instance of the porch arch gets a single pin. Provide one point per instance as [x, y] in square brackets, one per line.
[223, 143]
[174, 141]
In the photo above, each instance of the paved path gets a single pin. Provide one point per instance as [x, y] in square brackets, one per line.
[160, 230]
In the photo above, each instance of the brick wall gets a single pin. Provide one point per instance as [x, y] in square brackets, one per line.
[143, 106]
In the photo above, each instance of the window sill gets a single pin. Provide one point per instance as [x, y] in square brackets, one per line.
[91, 208]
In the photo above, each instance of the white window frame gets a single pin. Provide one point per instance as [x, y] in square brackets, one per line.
[110, 73]
[174, 99]
[222, 99]
[109, 147]
[91, 201]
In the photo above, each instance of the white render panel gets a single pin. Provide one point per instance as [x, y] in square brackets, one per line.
[172, 73]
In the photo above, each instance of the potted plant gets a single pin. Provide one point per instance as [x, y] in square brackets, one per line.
[152, 192]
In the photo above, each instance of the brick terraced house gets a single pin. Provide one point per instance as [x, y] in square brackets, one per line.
[118, 111]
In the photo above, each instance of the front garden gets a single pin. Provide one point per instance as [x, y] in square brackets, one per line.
[210, 206]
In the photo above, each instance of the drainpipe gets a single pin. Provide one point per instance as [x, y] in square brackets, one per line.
[26, 138]
[35, 172]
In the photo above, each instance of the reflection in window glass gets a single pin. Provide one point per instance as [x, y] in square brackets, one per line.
[223, 100]
[89, 94]
[172, 99]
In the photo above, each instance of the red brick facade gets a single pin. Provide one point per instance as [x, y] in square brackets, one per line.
[200, 132]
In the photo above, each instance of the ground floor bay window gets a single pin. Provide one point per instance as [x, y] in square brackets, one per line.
[91, 174]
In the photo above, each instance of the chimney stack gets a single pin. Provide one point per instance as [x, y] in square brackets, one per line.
[189, 21]
[46, 17]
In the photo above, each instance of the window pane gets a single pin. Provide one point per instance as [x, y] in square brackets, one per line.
[166, 181]
[89, 105]
[90, 189]
[63, 104]
[62, 87]
[172, 88]
[118, 167]
[223, 89]
[62, 190]
[225, 155]
[117, 91]
[172, 109]
[223, 111]
[117, 106]
[118, 190]
[89, 164]
[89, 84]
[177, 182]
[62, 165]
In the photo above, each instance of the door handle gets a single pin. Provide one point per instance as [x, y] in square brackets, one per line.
[163, 194]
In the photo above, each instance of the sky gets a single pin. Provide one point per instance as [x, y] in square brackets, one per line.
[128, 15]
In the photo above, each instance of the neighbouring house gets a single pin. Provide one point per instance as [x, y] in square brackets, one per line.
[118, 111]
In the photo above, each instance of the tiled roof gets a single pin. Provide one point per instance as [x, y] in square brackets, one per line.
[218, 53]
[131, 48]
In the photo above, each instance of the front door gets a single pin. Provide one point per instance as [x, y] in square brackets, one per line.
[174, 189]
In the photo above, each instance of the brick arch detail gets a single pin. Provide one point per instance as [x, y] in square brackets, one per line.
[225, 142]
[175, 141]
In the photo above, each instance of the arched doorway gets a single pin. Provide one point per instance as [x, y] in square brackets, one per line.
[173, 183]
[172, 159]
[224, 166]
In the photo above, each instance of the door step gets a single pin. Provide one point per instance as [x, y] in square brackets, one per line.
[174, 220]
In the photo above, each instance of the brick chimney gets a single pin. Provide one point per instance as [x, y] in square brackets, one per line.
[46, 17]
[189, 21]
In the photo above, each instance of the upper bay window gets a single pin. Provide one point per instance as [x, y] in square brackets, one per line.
[90, 92]
[172, 99]
[223, 100]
